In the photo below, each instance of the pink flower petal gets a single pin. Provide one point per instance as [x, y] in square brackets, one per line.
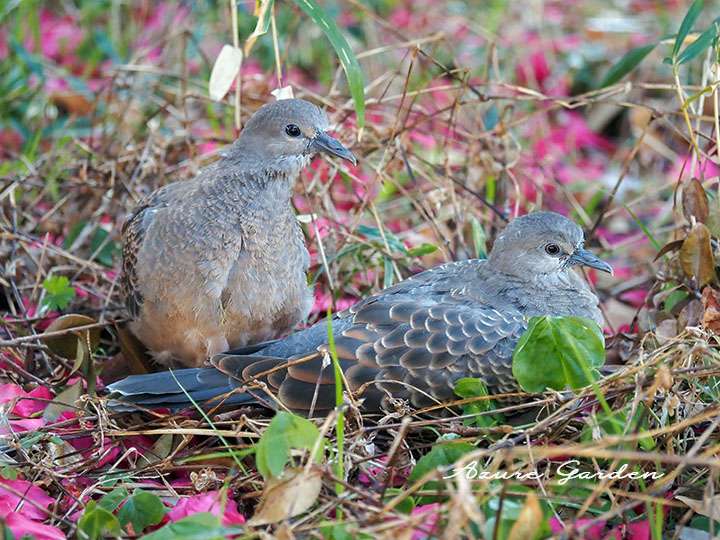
[20, 498]
[429, 525]
[593, 532]
[206, 502]
[18, 426]
[23, 526]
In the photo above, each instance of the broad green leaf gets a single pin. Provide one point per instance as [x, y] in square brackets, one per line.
[285, 432]
[558, 353]
[200, 526]
[468, 388]
[112, 500]
[58, 291]
[96, 522]
[700, 44]
[349, 62]
[109, 249]
[688, 22]
[441, 455]
[626, 64]
[142, 509]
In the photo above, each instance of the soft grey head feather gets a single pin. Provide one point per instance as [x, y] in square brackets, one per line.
[265, 137]
[521, 249]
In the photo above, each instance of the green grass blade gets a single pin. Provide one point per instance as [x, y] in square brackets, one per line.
[626, 64]
[347, 58]
[688, 22]
[701, 44]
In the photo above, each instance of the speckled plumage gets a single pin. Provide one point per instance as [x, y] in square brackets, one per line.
[219, 261]
[416, 339]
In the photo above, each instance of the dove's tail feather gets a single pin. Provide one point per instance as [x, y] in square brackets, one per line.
[176, 389]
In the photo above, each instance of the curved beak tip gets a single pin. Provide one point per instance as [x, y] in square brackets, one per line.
[587, 258]
[322, 142]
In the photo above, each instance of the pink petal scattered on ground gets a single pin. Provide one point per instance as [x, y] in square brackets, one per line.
[638, 530]
[429, 526]
[207, 502]
[18, 426]
[593, 532]
[376, 470]
[18, 496]
[21, 526]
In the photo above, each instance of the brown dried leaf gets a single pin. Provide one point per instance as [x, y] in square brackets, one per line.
[226, 68]
[291, 494]
[529, 520]
[708, 507]
[64, 401]
[72, 103]
[696, 256]
[667, 248]
[67, 344]
[695, 201]
[711, 315]
[136, 362]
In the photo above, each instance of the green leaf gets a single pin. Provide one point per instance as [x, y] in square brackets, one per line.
[112, 500]
[285, 432]
[58, 293]
[688, 22]
[468, 387]
[558, 352]
[109, 249]
[349, 62]
[200, 526]
[142, 509]
[702, 42]
[96, 521]
[441, 455]
[422, 249]
[626, 64]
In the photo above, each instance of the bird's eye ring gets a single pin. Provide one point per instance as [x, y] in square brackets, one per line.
[552, 249]
[292, 130]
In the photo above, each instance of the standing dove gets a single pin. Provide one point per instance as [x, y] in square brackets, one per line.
[412, 341]
[219, 261]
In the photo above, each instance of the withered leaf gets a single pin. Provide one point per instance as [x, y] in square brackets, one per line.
[711, 305]
[64, 401]
[529, 519]
[66, 345]
[695, 201]
[291, 494]
[696, 256]
[708, 507]
[667, 248]
[226, 68]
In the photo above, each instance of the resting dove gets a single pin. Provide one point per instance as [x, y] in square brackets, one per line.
[412, 341]
[219, 261]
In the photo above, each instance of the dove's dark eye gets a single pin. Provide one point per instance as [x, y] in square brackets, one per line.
[552, 249]
[292, 130]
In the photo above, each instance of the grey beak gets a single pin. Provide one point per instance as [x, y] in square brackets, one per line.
[587, 258]
[322, 142]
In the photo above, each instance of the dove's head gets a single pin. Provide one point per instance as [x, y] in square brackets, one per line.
[284, 134]
[542, 243]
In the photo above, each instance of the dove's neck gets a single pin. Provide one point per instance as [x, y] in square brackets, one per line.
[557, 294]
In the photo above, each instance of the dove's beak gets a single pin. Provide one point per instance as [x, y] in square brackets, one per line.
[322, 142]
[587, 258]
